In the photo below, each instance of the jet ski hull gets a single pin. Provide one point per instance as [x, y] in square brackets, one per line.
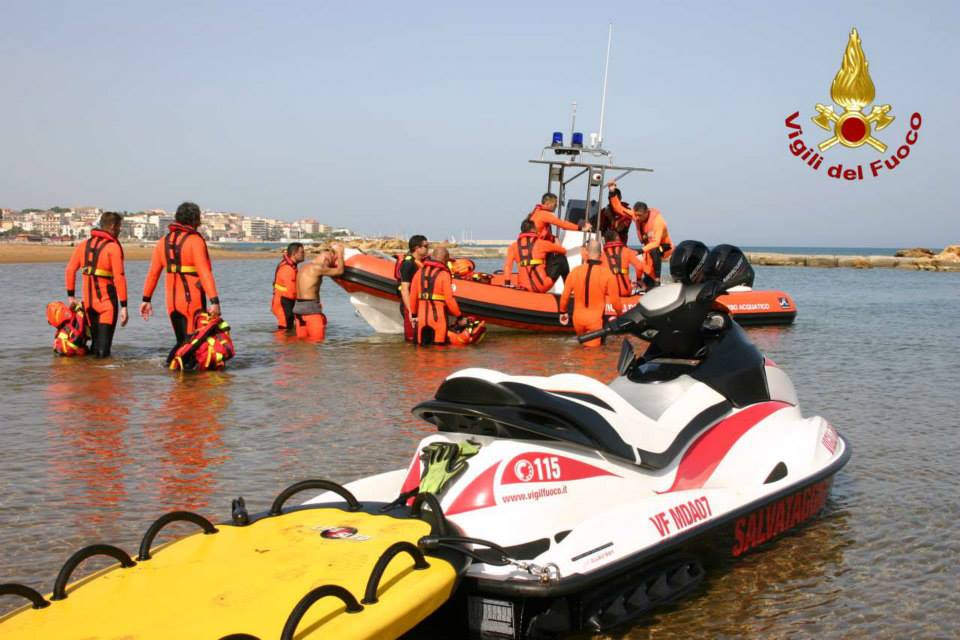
[616, 594]
[370, 281]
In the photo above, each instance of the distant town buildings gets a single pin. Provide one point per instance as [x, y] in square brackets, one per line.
[74, 223]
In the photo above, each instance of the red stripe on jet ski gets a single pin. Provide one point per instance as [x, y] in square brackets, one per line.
[477, 495]
[703, 456]
[413, 477]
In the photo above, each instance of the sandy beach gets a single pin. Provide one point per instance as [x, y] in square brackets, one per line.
[31, 252]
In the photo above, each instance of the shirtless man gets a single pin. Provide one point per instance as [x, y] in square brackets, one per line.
[308, 312]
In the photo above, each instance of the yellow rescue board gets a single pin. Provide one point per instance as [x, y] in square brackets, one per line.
[248, 580]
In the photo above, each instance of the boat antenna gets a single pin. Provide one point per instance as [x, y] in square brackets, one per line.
[603, 95]
[573, 121]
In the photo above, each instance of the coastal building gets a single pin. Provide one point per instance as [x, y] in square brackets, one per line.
[255, 229]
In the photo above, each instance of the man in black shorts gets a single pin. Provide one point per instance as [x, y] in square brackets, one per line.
[407, 266]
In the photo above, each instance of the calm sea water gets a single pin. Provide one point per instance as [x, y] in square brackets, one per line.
[94, 451]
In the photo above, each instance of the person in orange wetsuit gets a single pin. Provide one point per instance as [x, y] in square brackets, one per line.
[285, 286]
[308, 312]
[619, 258]
[182, 254]
[407, 265]
[530, 253]
[432, 292]
[652, 232]
[544, 219]
[100, 259]
[591, 284]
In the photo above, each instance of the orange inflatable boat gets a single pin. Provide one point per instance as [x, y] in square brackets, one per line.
[370, 280]
[374, 292]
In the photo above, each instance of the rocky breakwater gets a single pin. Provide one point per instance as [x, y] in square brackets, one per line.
[916, 259]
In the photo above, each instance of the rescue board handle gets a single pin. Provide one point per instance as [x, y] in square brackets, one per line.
[419, 562]
[290, 628]
[277, 507]
[12, 589]
[164, 520]
[60, 586]
[439, 525]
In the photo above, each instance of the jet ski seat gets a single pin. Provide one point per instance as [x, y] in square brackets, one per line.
[521, 411]
[516, 410]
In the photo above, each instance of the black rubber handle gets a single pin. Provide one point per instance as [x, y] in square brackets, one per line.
[599, 333]
[419, 562]
[164, 520]
[60, 586]
[332, 590]
[239, 636]
[277, 507]
[439, 525]
[13, 589]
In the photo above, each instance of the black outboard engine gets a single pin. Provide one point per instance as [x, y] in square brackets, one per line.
[688, 262]
[727, 265]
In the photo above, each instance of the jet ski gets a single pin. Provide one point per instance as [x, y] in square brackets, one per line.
[583, 504]
[373, 285]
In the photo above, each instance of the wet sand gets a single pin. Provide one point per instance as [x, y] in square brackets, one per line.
[30, 252]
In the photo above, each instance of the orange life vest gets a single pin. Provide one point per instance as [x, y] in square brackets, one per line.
[286, 260]
[399, 263]
[533, 268]
[92, 249]
[73, 330]
[471, 333]
[614, 254]
[209, 347]
[646, 229]
[173, 251]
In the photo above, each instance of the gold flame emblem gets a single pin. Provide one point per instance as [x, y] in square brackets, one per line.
[853, 89]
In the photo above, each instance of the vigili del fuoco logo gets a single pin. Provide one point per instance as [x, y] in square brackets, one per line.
[853, 90]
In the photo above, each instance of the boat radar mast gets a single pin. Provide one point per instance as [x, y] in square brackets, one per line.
[591, 159]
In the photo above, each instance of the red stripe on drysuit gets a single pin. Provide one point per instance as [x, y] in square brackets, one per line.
[706, 453]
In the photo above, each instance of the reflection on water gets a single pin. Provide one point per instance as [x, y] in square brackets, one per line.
[85, 421]
[95, 451]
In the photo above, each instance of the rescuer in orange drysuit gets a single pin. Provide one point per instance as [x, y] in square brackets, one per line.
[530, 253]
[189, 284]
[404, 271]
[591, 285]
[652, 232]
[432, 292]
[100, 259]
[619, 258]
[310, 319]
[285, 286]
[543, 218]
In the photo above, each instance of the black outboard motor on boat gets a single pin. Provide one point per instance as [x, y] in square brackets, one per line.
[729, 266]
[689, 261]
[687, 332]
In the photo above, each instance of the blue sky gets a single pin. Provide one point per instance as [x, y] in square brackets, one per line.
[409, 117]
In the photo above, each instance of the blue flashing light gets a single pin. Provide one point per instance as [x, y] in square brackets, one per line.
[577, 140]
[557, 139]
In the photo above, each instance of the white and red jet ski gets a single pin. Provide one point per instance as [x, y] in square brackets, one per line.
[585, 504]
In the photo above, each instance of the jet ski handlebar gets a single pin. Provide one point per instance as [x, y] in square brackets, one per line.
[622, 324]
